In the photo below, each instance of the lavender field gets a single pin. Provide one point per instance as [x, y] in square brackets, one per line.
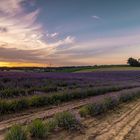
[28, 96]
[35, 87]
[67, 79]
[20, 84]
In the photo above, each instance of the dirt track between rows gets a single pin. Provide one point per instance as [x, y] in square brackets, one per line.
[119, 129]
[122, 124]
[116, 129]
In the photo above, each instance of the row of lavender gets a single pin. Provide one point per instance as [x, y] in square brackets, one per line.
[122, 75]
[13, 84]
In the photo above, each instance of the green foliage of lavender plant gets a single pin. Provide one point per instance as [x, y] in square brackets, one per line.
[107, 103]
[16, 133]
[66, 120]
[126, 98]
[10, 92]
[110, 103]
[51, 125]
[38, 129]
[38, 101]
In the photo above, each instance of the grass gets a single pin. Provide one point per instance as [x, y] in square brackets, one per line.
[51, 125]
[96, 68]
[109, 68]
[38, 129]
[16, 133]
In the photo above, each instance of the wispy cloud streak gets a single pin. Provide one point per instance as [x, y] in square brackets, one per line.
[96, 17]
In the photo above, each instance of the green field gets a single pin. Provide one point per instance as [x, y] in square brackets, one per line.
[109, 68]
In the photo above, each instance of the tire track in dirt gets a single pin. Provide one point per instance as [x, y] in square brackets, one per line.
[120, 128]
[107, 128]
[134, 133]
[101, 127]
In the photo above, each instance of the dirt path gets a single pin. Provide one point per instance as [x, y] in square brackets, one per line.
[135, 133]
[122, 124]
[114, 130]
[120, 128]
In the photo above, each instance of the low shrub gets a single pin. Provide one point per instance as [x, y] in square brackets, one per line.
[126, 97]
[99, 108]
[84, 112]
[11, 93]
[4, 107]
[18, 105]
[110, 103]
[107, 103]
[38, 129]
[37, 101]
[96, 109]
[51, 125]
[49, 88]
[16, 133]
[66, 120]
[13, 106]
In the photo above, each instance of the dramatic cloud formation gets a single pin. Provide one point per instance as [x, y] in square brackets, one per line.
[21, 37]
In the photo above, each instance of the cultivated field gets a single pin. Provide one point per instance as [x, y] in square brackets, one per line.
[109, 68]
[100, 105]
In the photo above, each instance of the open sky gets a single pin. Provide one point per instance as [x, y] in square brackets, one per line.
[68, 32]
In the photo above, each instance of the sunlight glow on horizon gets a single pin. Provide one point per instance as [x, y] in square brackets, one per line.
[21, 64]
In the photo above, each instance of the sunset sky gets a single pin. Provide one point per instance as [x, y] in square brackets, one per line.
[68, 32]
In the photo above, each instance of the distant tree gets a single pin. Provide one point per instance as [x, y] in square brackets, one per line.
[133, 62]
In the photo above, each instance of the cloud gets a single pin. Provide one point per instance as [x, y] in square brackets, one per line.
[53, 35]
[3, 29]
[104, 50]
[21, 31]
[114, 42]
[96, 17]
[13, 54]
[22, 37]
[10, 6]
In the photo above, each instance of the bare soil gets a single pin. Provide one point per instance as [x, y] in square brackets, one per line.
[119, 124]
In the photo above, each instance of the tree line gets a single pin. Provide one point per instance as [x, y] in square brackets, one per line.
[134, 62]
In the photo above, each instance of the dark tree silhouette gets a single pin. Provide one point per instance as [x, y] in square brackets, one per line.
[133, 62]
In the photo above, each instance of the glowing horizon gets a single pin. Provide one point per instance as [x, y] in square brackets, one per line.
[20, 64]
